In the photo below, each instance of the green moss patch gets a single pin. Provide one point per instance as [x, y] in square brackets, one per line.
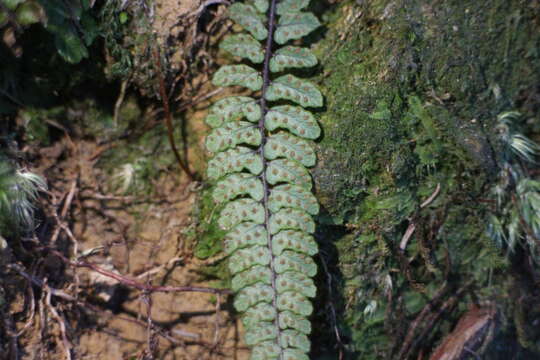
[413, 91]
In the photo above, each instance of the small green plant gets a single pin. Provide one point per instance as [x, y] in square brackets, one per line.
[262, 151]
[18, 191]
[516, 221]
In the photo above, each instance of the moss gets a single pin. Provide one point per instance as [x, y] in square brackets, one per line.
[412, 92]
[210, 237]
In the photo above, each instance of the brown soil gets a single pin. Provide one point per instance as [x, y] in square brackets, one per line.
[168, 12]
[147, 242]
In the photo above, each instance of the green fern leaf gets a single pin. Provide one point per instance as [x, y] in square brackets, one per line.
[293, 261]
[244, 46]
[257, 274]
[293, 118]
[247, 17]
[241, 75]
[289, 87]
[292, 196]
[232, 109]
[294, 354]
[244, 235]
[291, 219]
[295, 339]
[289, 320]
[241, 210]
[292, 57]
[261, 312]
[293, 240]
[232, 134]
[295, 26]
[253, 295]
[246, 258]
[285, 145]
[266, 350]
[234, 160]
[236, 185]
[295, 303]
[291, 6]
[288, 171]
[261, 5]
[263, 332]
[295, 281]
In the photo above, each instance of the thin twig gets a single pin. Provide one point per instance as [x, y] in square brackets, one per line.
[137, 285]
[430, 199]
[159, 268]
[32, 307]
[13, 336]
[217, 321]
[62, 324]
[69, 199]
[42, 322]
[163, 332]
[106, 197]
[119, 101]
[407, 236]
[412, 226]
[199, 99]
[140, 286]
[151, 340]
[168, 117]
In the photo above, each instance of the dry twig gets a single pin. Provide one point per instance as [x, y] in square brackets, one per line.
[168, 117]
[62, 324]
[412, 226]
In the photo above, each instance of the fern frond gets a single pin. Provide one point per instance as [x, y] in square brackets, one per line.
[261, 155]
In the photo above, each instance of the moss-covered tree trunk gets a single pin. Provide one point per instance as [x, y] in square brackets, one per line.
[410, 156]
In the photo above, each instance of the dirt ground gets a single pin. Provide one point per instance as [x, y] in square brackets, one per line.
[148, 241]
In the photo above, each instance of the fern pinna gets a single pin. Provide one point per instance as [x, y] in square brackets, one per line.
[262, 150]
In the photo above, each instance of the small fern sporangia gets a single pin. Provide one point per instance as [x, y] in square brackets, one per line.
[262, 150]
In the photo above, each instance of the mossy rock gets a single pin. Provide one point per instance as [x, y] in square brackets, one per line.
[413, 90]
